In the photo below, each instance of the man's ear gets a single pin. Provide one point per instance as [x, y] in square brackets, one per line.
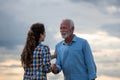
[72, 28]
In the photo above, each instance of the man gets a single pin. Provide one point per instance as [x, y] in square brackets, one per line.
[74, 55]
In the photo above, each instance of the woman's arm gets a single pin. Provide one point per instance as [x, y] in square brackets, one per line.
[47, 59]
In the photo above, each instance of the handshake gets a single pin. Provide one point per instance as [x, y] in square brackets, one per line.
[54, 69]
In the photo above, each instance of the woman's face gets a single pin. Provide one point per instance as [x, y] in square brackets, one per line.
[42, 37]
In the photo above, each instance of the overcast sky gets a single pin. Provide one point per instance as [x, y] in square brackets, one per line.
[90, 16]
[98, 21]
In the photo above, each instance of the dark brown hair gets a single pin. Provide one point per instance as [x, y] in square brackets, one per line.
[31, 42]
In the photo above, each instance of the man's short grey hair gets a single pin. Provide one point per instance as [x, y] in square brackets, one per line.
[71, 22]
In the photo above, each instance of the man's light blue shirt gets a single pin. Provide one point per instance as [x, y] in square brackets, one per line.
[76, 60]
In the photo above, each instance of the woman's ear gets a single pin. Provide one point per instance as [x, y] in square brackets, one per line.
[42, 37]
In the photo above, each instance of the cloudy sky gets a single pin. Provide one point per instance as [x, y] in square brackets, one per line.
[98, 21]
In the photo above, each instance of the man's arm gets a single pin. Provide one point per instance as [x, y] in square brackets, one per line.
[54, 55]
[89, 60]
[56, 68]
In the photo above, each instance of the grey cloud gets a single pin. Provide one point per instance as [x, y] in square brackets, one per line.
[102, 5]
[112, 29]
[102, 2]
[11, 32]
[89, 1]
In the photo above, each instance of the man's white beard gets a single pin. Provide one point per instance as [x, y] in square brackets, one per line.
[65, 34]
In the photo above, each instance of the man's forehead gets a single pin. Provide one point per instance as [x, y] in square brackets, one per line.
[66, 21]
[64, 25]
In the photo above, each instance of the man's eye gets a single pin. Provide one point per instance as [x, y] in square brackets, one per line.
[63, 28]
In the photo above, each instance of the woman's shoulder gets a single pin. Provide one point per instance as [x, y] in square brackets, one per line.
[42, 46]
[46, 46]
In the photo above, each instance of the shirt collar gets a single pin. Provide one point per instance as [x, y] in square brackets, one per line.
[73, 40]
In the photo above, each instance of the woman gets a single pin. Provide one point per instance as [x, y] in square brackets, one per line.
[35, 57]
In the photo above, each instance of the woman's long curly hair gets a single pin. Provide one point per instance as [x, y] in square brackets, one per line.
[32, 41]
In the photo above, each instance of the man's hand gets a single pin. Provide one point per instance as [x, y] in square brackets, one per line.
[55, 70]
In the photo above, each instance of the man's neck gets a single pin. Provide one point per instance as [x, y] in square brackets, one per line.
[69, 39]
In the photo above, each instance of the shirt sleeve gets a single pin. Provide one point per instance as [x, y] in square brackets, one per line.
[89, 60]
[46, 59]
[58, 62]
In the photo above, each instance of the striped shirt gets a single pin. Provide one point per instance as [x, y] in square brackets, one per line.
[41, 64]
